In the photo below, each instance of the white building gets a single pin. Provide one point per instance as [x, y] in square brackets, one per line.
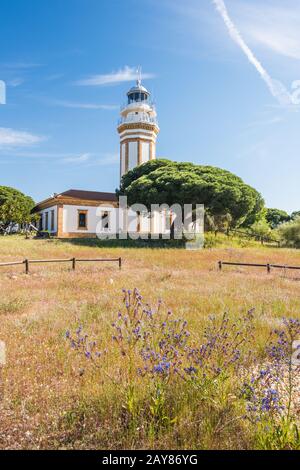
[76, 213]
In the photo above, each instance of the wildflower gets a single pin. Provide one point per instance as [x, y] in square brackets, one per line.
[191, 370]
[162, 367]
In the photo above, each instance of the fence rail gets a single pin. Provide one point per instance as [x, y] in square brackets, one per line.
[268, 266]
[74, 261]
[262, 238]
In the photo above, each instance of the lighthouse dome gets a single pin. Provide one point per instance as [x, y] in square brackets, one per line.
[138, 93]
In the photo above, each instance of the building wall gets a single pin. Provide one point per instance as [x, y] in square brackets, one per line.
[137, 134]
[134, 223]
[42, 214]
[66, 221]
[70, 218]
[137, 146]
[145, 152]
[132, 155]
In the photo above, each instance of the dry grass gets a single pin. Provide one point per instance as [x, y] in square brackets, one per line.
[42, 383]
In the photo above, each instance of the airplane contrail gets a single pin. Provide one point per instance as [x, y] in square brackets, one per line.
[277, 89]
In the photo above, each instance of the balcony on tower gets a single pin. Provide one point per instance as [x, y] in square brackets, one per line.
[141, 117]
[139, 107]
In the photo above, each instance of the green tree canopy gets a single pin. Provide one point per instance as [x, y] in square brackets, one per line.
[164, 181]
[295, 215]
[276, 217]
[15, 207]
[290, 233]
[261, 228]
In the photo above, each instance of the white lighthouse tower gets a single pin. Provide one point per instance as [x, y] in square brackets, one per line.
[138, 129]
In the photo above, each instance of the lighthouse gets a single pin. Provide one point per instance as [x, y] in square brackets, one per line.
[138, 129]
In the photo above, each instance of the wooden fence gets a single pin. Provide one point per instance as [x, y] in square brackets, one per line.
[74, 261]
[260, 238]
[268, 266]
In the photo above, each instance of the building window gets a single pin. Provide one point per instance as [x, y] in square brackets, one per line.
[82, 220]
[105, 222]
[46, 220]
[52, 221]
[41, 222]
[138, 221]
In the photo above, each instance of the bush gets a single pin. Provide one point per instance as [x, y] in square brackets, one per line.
[290, 233]
[276, 217]
[261, 229]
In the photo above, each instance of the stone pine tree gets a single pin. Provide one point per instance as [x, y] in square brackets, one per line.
[15, 207]
[227, 199]
[276, 217]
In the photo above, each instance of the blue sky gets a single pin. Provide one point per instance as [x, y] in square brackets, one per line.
[69, 63]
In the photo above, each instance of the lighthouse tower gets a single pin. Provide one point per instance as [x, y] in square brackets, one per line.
[138, 129]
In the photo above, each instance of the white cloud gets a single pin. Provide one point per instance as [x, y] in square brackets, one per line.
[88, 159]
[276, 88]
[273, 26]
[15, 138]
[105, 160]
[276, 40]
[127, 74]
[29, 154]
[78, 159]
[75, 105]
[15, 82]
[21, 65]
[91, 159]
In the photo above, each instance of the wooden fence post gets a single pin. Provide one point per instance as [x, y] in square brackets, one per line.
[26, 261]
[73, 264]
[268, 268]
[120, 263]
[220, 265]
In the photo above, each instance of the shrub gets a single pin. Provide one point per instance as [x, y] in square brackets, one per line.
[261, 229]
[290, 233]
[276, 217]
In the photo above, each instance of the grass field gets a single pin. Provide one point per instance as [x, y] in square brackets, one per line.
[54, 397]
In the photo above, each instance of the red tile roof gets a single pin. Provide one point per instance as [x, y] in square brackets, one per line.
[89, 195]
[77, 194]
